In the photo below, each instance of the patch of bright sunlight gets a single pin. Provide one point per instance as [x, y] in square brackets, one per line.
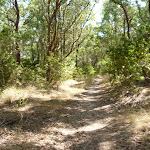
[66, 91]
[12, 94]
[69, 82]
[87, 128]
[92, 127]
[5, 139]
[64, 131]
[107, 145]
[105, 107]
[69, 86]
[26, 107]
[99, 124]
[146, 92]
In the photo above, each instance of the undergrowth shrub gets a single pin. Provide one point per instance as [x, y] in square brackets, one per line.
[82, 72]
[22, 75]
[89, 70]
[127, 60]
[7, 65]
[78, 72]
[68, 68]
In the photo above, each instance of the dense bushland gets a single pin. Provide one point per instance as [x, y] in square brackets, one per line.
[42, 42]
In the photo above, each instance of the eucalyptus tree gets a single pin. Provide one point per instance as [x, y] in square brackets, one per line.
[12, 12]
[9, 46]
[65, 21]
[124, 30]
[40, 34]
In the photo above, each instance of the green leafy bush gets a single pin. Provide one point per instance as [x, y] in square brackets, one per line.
[89, 70]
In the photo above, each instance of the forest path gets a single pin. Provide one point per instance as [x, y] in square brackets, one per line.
[94, 122]
[91, 120]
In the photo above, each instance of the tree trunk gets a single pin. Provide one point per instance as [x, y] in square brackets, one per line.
[48, 54]
[32, 50]
[77, 57]
[124, 27]
[38, 56]
[48, 42]
[16, 31]
[149, 6]
[126, 16]
[147, 79]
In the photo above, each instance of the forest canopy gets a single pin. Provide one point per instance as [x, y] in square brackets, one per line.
[44, 41]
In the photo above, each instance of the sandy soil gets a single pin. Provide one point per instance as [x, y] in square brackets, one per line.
[92, 120]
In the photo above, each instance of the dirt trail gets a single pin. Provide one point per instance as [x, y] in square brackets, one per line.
[90, 121]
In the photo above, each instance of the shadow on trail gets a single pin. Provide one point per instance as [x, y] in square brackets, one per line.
[25, 146]
[90, 122]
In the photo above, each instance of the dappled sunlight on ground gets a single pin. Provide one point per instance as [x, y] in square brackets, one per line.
[87, 128]
[106, 145]
[69, 89]
[72, 118]
[66, 90]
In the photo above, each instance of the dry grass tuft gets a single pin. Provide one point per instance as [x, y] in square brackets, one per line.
[65, 91]
[145, 92]
[140, 125]
[135, 104]
[140, 120]
[12, 94]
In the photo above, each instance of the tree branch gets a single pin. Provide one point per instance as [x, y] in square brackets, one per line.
[140, 11]
[126, 16]
[9, 19]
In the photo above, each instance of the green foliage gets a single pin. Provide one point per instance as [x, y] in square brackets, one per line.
[103, 66]
[61, 48]
[82, 72]
[55, 68]
[7, 64]
[21, 102]
[128, 59]
[78, 73]
[89, 70]
[20, 75]
[29, 54]
[125, 56]
[68, 67]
